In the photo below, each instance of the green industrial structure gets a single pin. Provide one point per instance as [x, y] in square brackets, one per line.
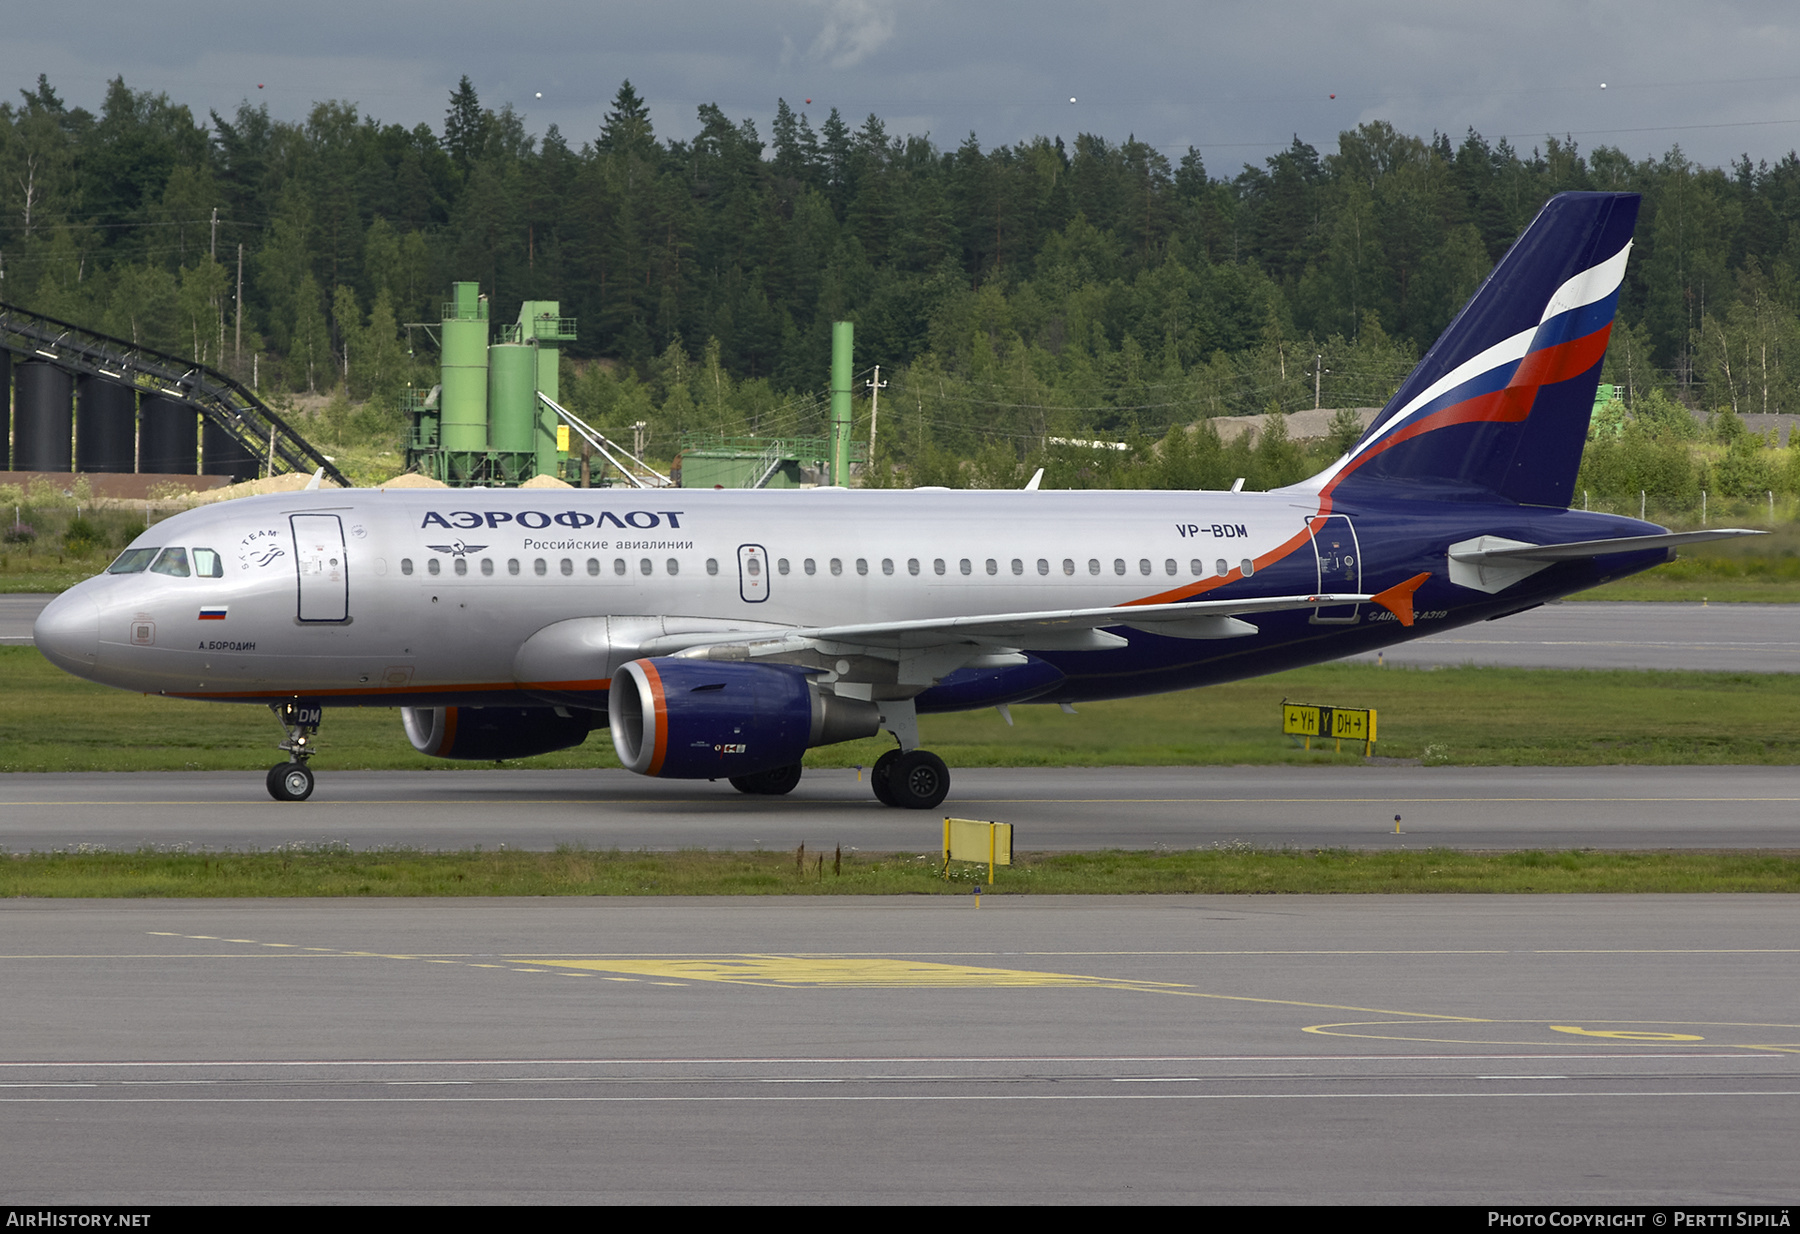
[491, 419]
[494, 418]
[709, 460]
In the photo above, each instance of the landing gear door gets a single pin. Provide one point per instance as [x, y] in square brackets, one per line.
[1340, 566]
[324, 569]
[753, 573]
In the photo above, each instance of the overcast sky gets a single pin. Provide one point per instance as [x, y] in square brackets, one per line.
[1235, 79]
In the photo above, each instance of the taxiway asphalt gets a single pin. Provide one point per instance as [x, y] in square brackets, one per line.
[1340, 1049]
[1050, 808]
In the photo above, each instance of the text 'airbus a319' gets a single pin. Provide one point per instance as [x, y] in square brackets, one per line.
[721, 634]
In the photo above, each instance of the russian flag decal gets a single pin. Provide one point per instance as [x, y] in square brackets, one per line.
[214, 612]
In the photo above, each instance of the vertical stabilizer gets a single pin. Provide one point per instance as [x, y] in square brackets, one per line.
[1499, 406]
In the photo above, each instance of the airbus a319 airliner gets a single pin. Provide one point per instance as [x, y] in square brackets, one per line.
[721, 634]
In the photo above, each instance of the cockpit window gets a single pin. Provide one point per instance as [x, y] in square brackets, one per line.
[208, 564]
[173, 562]
[132, 561]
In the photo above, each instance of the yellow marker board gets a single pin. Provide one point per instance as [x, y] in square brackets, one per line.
[968, 840]
[562, 439]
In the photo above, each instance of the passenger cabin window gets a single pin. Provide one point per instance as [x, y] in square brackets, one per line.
[809, 566]
[675, 567]
[993, 567]
[862, 565]
[1093, 565]
[1043, 566]
[487, 567]
[1143, 565]
[1068, 565]
[912, 566]
[781, 565]
[1223, 567]
[937, 565]
[540, 567]
[567, 567]
[462, 566]
[644, 566]
[406, 565]
[1247, 566]
[208, 564]
[132, 561]
[173, 562]
[1018, 567]
[512, 565]
[593, 567]
[1118, 565]
[712, 565]
[619, 566]
[837, 566]
[887, 565]
[433, 567]
[1169, 566]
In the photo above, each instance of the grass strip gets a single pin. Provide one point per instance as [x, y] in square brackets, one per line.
[1469, 716]
[1231, 869]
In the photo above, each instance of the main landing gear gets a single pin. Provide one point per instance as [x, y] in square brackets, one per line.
[910, 780]
[907, 778]
[293, 780]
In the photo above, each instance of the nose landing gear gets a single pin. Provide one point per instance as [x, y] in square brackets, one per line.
[293, 780]
[290, 782]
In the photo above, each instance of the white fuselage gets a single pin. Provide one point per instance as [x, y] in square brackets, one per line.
[357, 594]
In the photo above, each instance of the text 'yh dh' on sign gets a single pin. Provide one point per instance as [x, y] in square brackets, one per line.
[1306, 721]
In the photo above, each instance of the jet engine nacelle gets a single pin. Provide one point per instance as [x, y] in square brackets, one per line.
[704, 720]
[489, 733]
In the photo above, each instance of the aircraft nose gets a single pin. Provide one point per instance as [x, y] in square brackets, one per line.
[68, 632]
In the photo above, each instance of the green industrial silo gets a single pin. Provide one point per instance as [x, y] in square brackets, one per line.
[464, 401]
[542, 321]
[512, 408]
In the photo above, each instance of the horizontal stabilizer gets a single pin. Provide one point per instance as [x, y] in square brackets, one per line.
[1494, 563]
[1581, 550]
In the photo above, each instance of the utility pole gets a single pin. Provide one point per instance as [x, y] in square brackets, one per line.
[1318, 367]
[215, 234]
[637, 437]
[875, 388]
[237, 358]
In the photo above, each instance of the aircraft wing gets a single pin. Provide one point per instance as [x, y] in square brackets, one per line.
[974, 636]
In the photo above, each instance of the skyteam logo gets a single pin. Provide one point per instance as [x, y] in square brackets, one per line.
[259, 548]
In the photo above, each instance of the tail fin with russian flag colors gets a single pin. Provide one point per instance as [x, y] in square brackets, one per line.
[1499, 407]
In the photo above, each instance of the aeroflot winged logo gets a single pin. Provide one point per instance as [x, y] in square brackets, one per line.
[538, 520]
[459, 549]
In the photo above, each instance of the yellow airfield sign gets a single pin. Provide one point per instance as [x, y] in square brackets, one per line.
[1307, 720]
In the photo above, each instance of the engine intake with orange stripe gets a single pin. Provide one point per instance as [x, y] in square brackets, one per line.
[700, 720]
